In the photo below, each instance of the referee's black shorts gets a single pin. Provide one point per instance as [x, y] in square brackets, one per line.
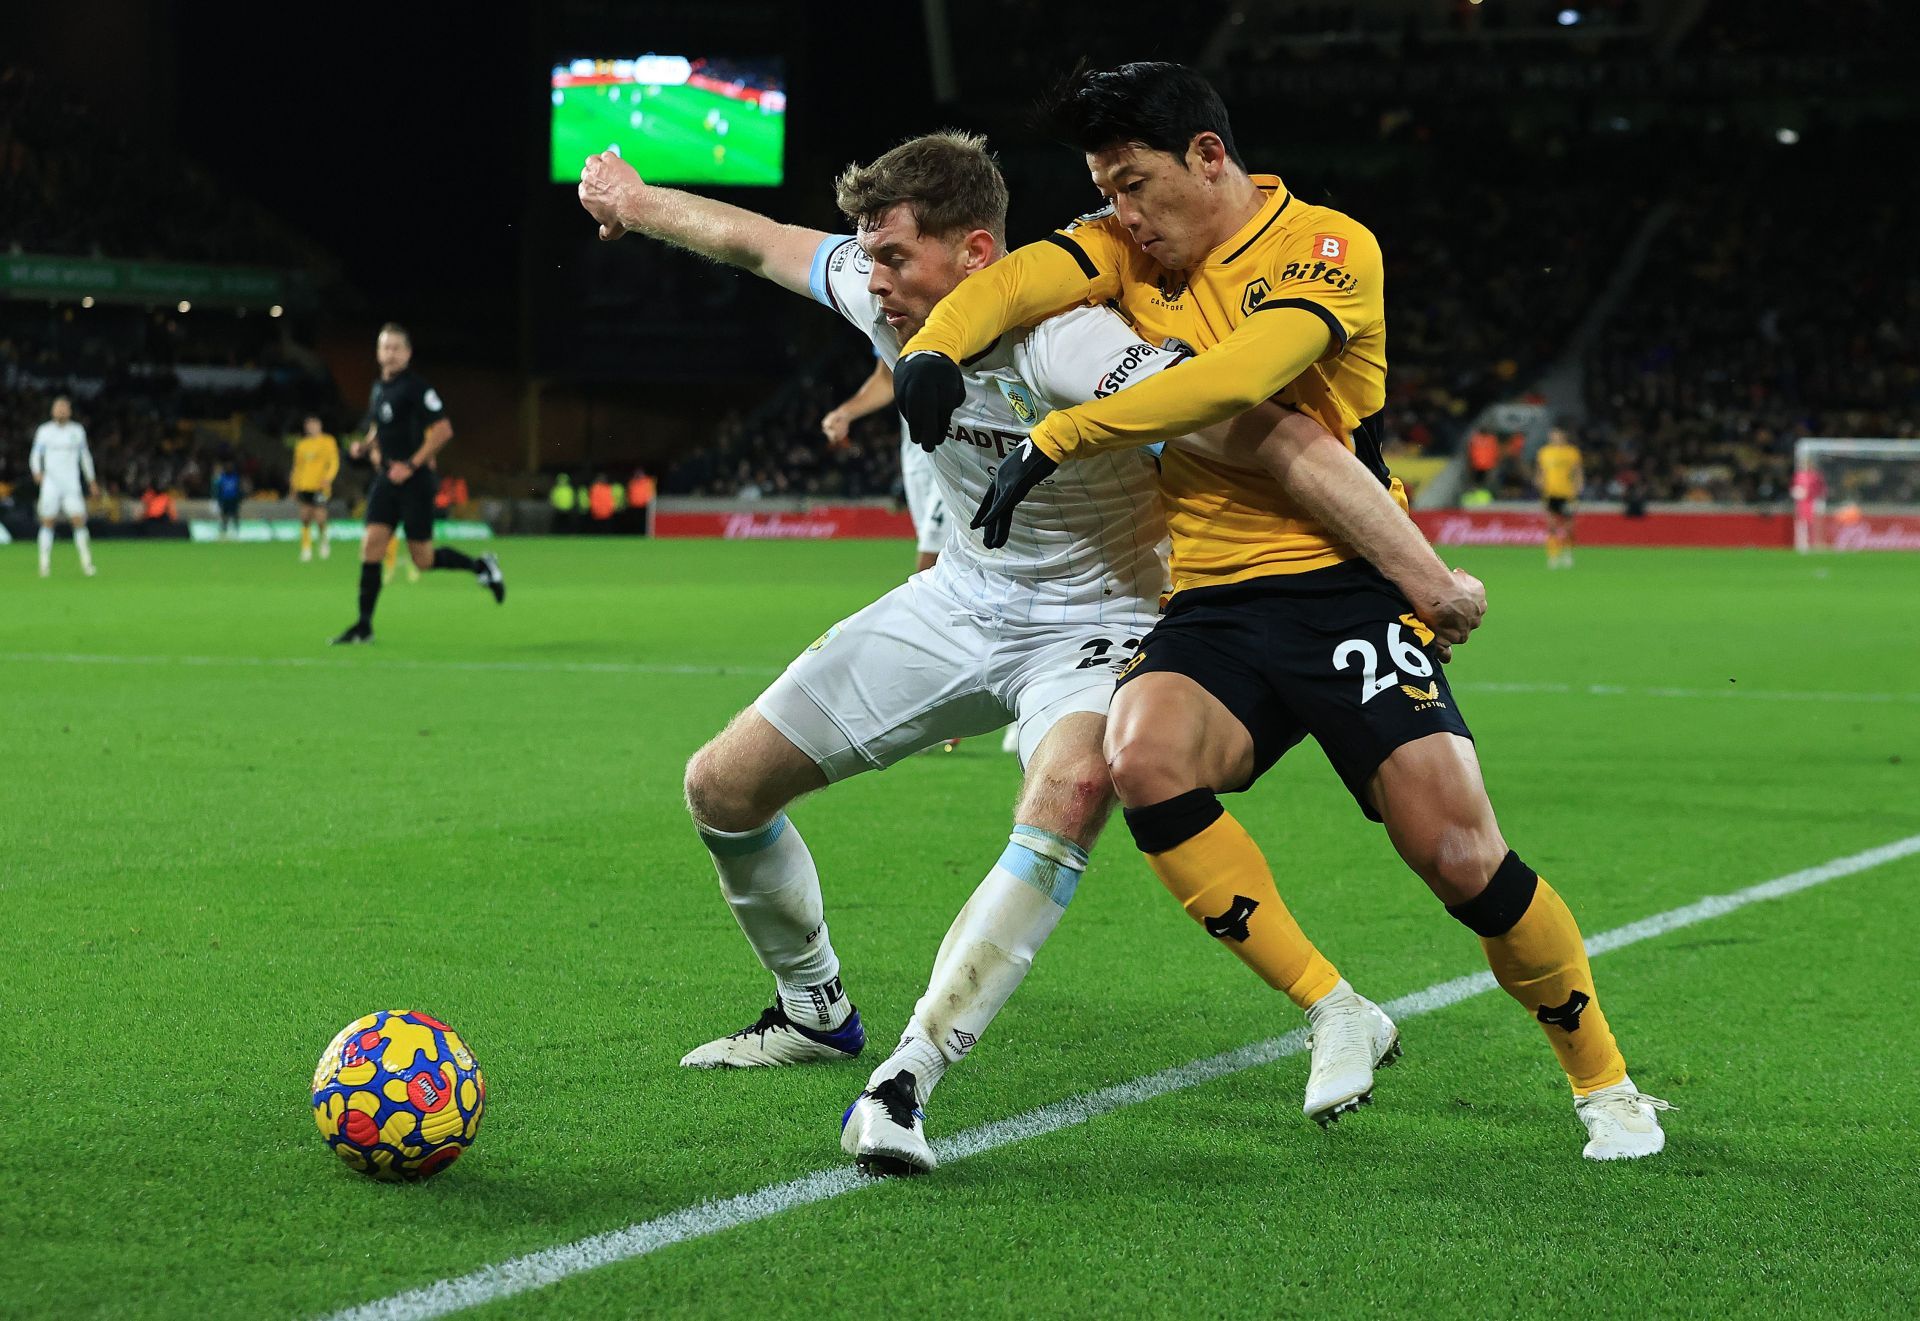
[1336, 653]
[408, 505]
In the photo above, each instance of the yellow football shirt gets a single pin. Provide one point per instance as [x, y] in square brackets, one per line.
[316, 462]
[1290, 308]
[1557, 466]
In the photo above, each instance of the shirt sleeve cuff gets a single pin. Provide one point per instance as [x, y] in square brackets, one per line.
[817, 273]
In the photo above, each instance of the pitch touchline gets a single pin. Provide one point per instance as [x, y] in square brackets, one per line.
[539, 1269]
[329, 663]
[763, 671]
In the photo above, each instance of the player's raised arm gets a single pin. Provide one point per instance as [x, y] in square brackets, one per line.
[614, 194]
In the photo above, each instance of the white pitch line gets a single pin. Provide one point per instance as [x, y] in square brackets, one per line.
[536, 1270]
[763, 671]
[1732, 690]
[329, 663]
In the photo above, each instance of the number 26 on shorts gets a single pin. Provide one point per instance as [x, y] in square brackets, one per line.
[1403, 653]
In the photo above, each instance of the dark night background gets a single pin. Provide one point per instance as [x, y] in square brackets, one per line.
[1504, 162]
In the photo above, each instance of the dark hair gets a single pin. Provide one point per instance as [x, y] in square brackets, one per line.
[1158, 105]
[395, 328]
[949, 181]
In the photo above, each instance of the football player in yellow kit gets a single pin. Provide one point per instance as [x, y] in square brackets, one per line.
[1557, 472]
[1276, 628]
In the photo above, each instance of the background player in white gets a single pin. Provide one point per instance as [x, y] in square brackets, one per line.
[1033, 632]
[60, 461]
[930, 522]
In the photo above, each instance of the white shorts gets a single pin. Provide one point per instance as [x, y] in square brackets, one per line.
[924, 505]
[61, 501]
[916, 668]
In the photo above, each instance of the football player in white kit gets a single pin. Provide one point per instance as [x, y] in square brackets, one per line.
[63, 467]
[917, 481]
[1033, 633]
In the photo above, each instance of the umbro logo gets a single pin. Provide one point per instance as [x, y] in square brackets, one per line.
[1232, 924]
[963, 1041]
[1567, 1016]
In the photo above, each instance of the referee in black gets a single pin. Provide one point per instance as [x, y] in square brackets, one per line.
[406, 426]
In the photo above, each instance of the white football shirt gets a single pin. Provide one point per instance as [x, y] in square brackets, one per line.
[1088, 543]
[60, 455]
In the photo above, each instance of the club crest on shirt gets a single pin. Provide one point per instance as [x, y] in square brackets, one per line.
[1020, 402]
[1255, 295]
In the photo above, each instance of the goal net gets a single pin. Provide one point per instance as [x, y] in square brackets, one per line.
[1856, 494]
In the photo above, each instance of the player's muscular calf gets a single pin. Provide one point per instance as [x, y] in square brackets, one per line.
[747, 775]
[1167, 735]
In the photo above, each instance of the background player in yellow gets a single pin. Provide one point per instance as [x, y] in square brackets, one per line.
[1276, 629]
[316, 462]
[1558, 474]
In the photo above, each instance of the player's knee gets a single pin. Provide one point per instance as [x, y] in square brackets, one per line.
[1072, 799]
[1145, 770]
[1456, 859]
[723, 794]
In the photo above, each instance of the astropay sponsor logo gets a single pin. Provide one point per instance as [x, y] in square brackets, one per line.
[1902, 534]
[1466, 530]
[776, 527]
[1129, 363]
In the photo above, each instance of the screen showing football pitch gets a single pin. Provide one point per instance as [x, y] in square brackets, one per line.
[679, 120]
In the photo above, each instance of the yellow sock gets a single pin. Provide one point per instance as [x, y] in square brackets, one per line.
[393, 554]
[1221, 878]
[1553, 546]
[1540, 960]
[306, 537]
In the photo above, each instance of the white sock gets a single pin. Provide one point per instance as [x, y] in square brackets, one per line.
[46, 546]
[986, 953]
[770, 882]
[83, 543]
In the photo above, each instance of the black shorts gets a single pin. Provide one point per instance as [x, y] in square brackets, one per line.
[313, 499]
[1558, 504]
[408, 505]
[1335, 653]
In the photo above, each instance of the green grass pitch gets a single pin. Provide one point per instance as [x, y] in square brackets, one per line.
[671, 144]
[223, 841]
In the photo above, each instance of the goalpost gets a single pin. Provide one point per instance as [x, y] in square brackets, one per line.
[1856, 494]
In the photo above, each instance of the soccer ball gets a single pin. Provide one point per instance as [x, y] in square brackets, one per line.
[397, 1095]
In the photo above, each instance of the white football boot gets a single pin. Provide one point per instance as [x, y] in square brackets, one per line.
[1352, 1036]
[1623, 1123]
[777, 1040]
[881, 1129]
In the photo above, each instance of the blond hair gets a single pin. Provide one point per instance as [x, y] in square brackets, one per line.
[949, 181]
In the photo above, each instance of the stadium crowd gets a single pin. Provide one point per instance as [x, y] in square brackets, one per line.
[67, 177]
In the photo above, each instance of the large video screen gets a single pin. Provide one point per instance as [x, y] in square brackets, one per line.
[679, 120]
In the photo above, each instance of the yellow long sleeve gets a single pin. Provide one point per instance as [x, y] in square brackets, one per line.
[1261, 357]
[1022, 288]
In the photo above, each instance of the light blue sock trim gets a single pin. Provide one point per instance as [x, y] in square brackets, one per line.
[1048, 862]
[723, 845]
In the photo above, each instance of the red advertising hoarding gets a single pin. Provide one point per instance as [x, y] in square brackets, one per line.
[819, 523]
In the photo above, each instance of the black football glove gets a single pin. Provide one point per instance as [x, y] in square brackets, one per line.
[926, 389]
[1017, 474]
